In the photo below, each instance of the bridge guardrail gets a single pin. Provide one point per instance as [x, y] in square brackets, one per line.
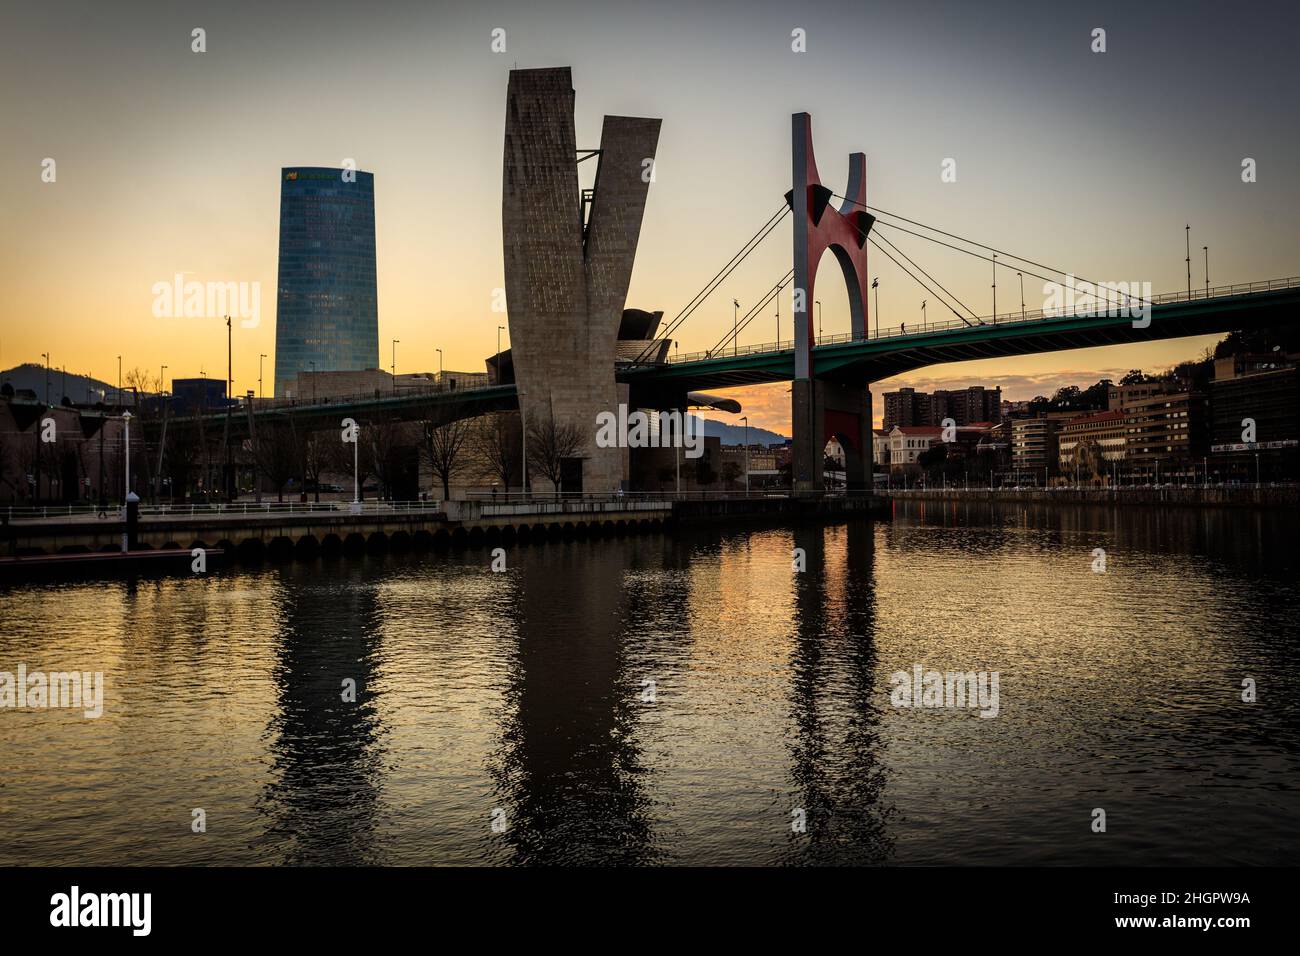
[1002, 318]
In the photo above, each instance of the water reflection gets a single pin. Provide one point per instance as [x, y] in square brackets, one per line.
[326, 752]
[522, 693]
[569, 771]
[836, 752]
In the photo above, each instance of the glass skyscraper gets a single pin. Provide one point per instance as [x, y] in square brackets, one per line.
[327, 309]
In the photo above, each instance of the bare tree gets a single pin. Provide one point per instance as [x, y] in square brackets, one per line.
[381, 439]
[497, 440]
[278, 455]
[444, 446]
[316, 458]
[145, 412]
[180, 456]
[550, 444]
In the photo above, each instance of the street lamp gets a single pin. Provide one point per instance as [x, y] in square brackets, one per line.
[126, 482]
[735, 330]
[819, 321]
[995, 288]
[922, 315]
[875, 284]
[523, 440]
[259, 374]
[1022, 298]
[356, 468]
[1188, 237]
[1207, 270]
[745, 419]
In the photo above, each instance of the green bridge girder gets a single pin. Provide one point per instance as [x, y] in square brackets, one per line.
[872, 359]
[861, 362]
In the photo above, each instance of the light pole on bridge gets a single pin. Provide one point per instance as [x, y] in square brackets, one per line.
[1207, 270]
[995, 288]
[735, 327]
[875, 285]
[1022, 297]
[1188, 231]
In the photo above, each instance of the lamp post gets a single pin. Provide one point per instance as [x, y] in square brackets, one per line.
[1207, 270]
[681, 435]
[1188, 236]
[735, 327]
[1022, 298]
[259, 374]
[778, 323]
[126, 481]
[819, 321]
[922, 315]
[356, 469]
[523, 441]
[745, 419]
[995, 288]
[875, 284]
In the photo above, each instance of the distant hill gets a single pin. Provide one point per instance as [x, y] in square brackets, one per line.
[82, 389]
[735, 434]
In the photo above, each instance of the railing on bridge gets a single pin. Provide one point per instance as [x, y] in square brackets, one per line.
[234, 509]
[1002, 318]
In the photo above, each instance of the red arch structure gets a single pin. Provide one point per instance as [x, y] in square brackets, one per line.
[821, 409]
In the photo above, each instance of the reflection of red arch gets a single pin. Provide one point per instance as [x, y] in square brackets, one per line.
[818, 227]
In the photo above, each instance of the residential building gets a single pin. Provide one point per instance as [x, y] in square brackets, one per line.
[1164, 432]
[1092, 445]
[1254, 431]
[966, 406]
[1034, 445]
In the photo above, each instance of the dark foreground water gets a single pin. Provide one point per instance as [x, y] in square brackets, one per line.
[520, 698]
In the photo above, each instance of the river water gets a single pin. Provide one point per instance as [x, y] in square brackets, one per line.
[683, 698]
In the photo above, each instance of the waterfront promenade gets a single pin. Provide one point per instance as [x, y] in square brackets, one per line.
[1230, 496]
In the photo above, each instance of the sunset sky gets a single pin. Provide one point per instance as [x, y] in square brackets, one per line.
[168, 160]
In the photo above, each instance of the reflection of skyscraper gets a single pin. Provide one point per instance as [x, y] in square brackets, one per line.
[327, 309]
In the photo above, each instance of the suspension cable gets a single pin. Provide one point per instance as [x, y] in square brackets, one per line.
[721, 276]
[981, 245]
[752, 314]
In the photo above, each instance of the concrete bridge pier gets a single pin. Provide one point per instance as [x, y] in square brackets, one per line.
[822, 410]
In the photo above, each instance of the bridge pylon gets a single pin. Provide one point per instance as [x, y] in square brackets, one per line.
[821, 409]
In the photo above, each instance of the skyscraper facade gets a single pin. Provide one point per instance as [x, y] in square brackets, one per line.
[327, 308]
